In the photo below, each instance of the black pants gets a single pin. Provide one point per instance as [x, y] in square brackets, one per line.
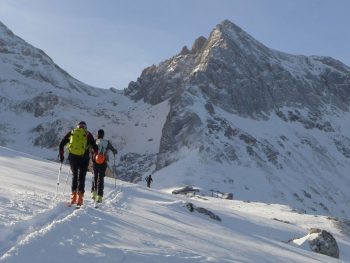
[79, 166]
[99, 177]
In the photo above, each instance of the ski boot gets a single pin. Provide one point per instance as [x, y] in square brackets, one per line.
[73, 198]
[80, 199]
[93, 195]
[99, 199]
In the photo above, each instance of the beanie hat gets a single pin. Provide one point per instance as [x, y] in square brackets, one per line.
[82, 124]
[100, 133]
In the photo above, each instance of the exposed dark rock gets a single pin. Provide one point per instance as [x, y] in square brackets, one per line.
[209, 107]
[324, 243]
[271, 154]
[343, 145]
[191, 207]
[184, 51]
[40, 104]
[283, 221]
[312, 121]
[48, 135]
[132, 166]
[319, 241]
[198, 44]
[248, 139]
[230, 132]
[180, 129]
[188, 189]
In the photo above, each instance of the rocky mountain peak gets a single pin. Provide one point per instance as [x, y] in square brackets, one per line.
[198, 44]
[241, 75]
[232, 74]
[228, 31]
[226, 27]
[184, 51]
[229, 40]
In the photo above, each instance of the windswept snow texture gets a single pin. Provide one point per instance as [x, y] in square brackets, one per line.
[137, 224]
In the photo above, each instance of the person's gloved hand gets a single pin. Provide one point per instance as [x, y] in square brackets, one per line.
[61, 156]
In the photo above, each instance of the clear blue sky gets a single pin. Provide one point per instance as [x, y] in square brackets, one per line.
[107, 43]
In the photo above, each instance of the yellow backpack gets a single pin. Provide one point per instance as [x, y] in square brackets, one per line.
[78, 141]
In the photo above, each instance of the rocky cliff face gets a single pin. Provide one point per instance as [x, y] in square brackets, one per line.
[238, 103]
[233, 72]
[237, 73]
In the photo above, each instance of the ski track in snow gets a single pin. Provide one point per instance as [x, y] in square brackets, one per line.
[23, 232]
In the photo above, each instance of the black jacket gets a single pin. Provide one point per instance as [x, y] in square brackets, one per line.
[90, 144]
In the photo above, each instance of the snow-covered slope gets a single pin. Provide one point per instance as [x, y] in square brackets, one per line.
[137, 224]
[40, 103]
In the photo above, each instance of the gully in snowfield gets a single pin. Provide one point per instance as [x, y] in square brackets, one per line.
[100, 165]
[79, 142]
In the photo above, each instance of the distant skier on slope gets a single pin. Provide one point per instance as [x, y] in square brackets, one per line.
[79, 141]
[149, 180]
[100, 165]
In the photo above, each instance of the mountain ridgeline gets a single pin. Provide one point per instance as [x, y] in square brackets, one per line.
[235, 73]
[242, 76]
[258, 121]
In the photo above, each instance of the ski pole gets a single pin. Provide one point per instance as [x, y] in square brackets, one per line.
[58, 178]
[114, 172]
[64, 189]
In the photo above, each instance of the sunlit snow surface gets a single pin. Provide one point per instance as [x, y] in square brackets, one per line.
[137, 224]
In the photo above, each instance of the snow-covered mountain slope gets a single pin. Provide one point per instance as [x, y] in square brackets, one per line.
[230, 115]
[258, 118]
[137, 224]
[40, 103]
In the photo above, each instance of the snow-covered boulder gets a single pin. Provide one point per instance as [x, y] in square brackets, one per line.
[319, 241]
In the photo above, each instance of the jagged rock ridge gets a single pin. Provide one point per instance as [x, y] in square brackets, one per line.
[241, 75]
[231, 78]
[236, 73]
